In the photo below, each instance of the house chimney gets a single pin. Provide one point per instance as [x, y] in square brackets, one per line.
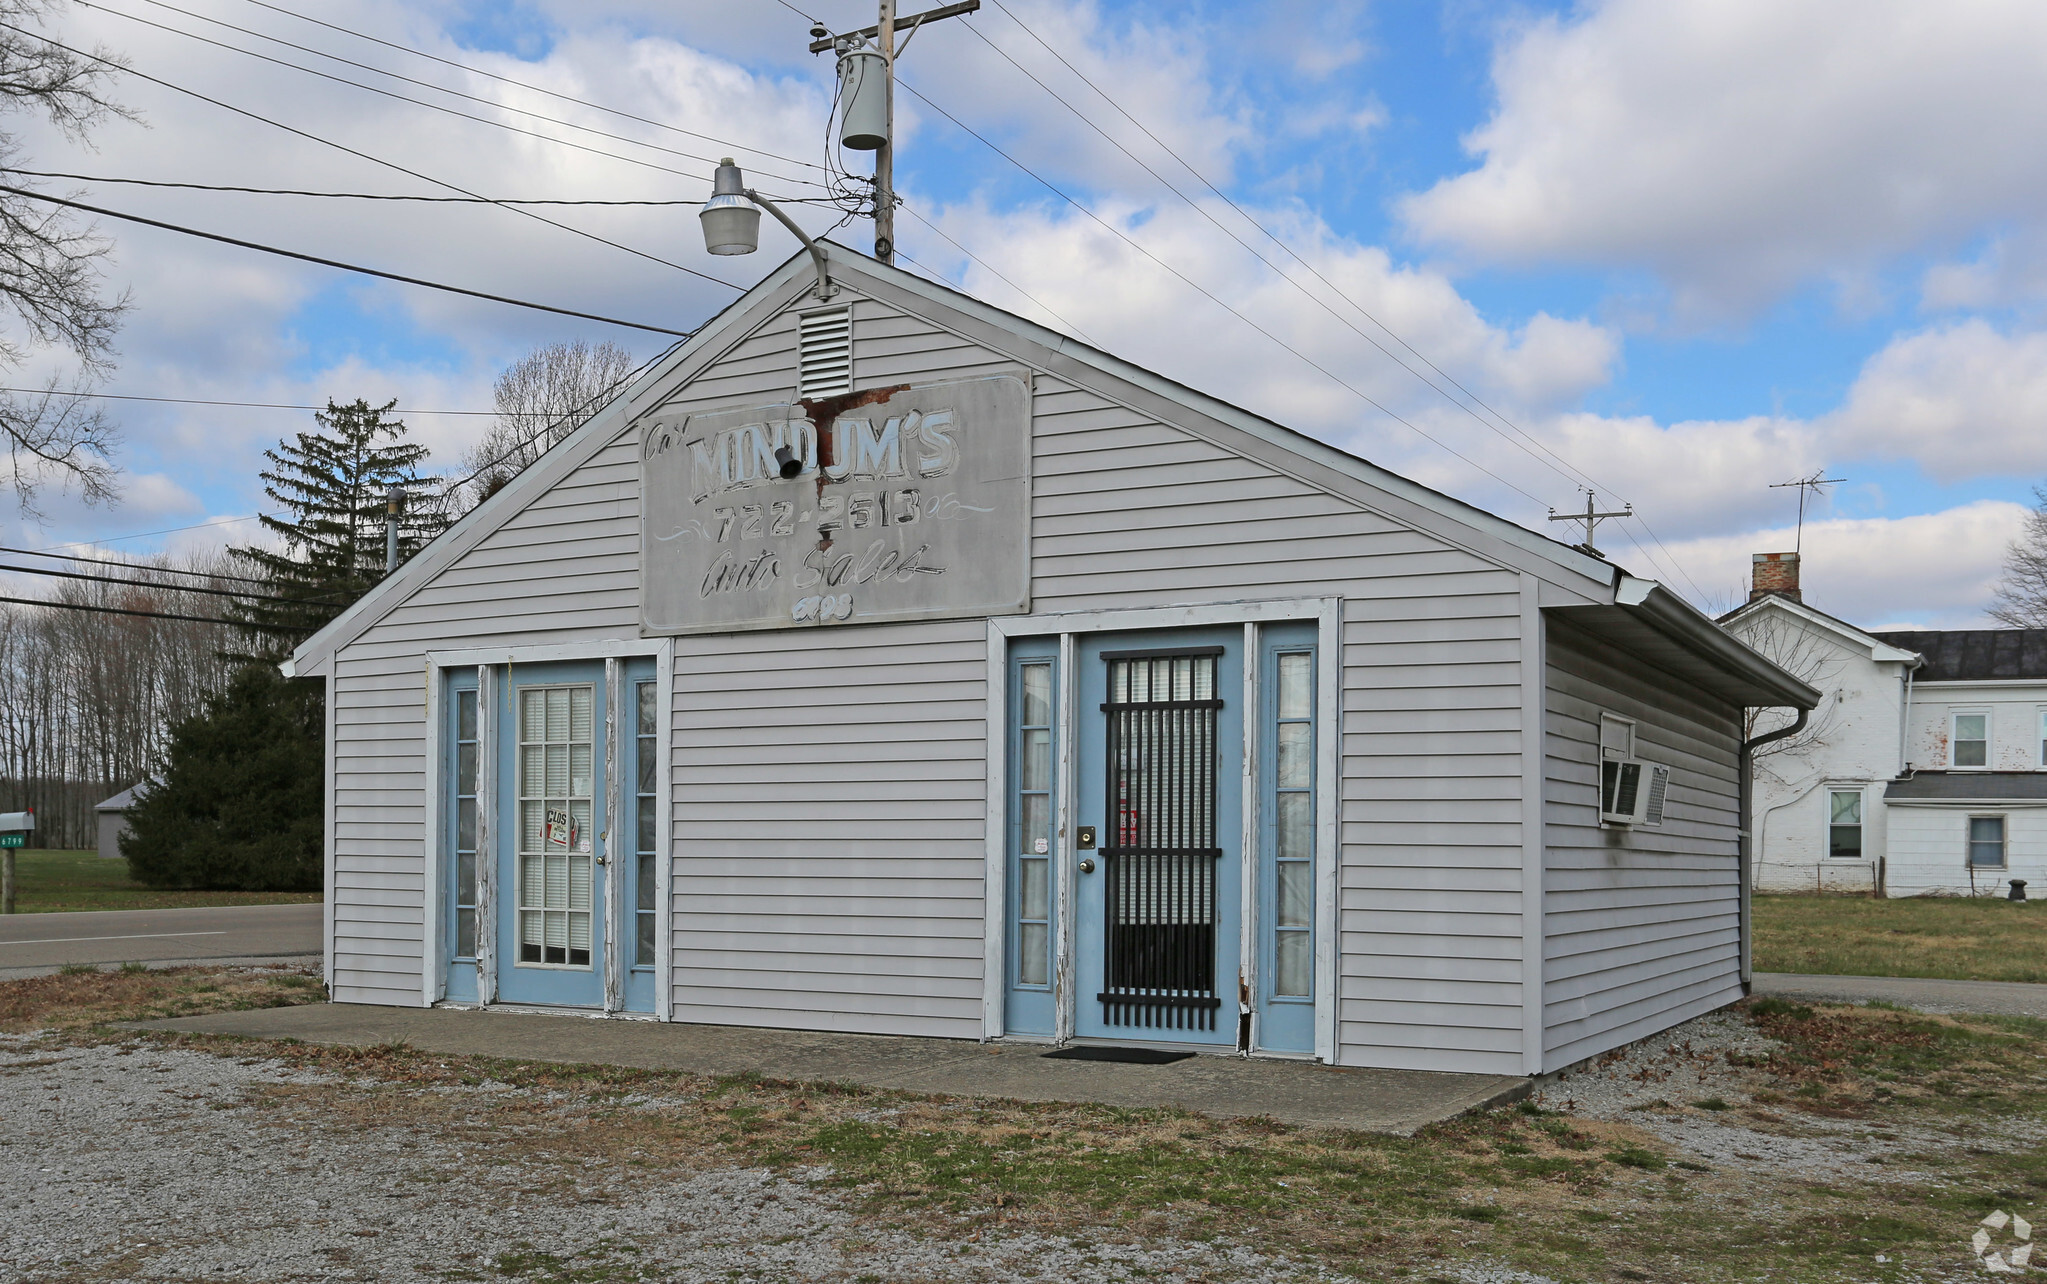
[1774, 573]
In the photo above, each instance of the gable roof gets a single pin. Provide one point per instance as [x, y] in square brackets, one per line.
[1975, 655]
[1879, 645]
[1575, 577]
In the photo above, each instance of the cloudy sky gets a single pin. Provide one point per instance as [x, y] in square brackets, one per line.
[1675, 250]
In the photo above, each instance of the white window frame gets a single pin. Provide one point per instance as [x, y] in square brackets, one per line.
[2003, 841]
[433, 987]
[1954, 717]
[1861, 793]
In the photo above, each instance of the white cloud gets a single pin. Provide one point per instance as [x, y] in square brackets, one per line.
[1930, 570]
[1737, 148]
[1960, 400]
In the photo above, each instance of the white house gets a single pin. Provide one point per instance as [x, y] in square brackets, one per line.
[888, 663]
[1923, 770]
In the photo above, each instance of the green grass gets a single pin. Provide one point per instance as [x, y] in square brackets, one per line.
[1947, 937]
[47, 881]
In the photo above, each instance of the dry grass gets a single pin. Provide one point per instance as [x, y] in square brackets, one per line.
[1948, 937]
[1572, 1198]
[80, 998]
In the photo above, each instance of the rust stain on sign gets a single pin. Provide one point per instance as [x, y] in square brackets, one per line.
[823, 412]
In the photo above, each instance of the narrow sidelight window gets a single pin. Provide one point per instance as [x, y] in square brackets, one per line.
[1844, 824]
[1986, 842]
[465, 824]
[1971, 743]
[645, 809]
[1032, 841]
[1294, 813]
[2043, 738]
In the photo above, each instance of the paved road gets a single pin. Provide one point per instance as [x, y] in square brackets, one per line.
[35, 943]
[2001, 998]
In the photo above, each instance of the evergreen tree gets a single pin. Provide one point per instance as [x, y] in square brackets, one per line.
[333, 485]
[240, 803]
[240, 799]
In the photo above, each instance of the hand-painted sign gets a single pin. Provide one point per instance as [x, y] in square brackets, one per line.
[907, 503]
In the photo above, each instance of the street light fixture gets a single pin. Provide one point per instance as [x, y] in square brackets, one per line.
[732, 222]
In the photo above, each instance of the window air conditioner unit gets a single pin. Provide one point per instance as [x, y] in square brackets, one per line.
[1631, 792]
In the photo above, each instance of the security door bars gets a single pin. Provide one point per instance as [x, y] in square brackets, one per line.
[556, 744]
[1162, 852]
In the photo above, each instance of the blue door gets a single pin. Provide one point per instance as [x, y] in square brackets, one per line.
[551, 857]
[1158, 903]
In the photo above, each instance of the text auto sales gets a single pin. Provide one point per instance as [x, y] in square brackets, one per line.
[917, 447]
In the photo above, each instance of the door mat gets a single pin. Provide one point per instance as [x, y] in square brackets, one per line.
[1127, 1056]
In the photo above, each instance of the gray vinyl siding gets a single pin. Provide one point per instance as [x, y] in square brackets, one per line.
[829, 785]
[1642, 925]
[1130, 512]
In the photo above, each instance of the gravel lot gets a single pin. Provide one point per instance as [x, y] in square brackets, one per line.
[165, 1164]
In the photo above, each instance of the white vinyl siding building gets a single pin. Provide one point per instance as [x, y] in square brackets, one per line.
[831, 798]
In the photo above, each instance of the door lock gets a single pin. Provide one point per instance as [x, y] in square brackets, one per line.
[1087, 867]
[1086, 838]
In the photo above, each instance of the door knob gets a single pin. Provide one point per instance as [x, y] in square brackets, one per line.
[1087, 867]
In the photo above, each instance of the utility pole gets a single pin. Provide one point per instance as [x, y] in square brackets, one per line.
[1806, 486]
[394, 505]
[883, 33]
[1592, 517]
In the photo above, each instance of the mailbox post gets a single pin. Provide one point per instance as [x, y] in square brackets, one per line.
[15, 827]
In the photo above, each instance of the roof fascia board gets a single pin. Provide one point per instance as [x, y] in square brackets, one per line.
[649, 392]
[1317, 463]
[1879, 650]
[1677, 619]
[1957, 684]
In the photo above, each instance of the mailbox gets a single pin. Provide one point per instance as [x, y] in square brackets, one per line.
[15, 827]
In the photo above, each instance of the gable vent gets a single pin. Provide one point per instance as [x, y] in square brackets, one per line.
[825, 353]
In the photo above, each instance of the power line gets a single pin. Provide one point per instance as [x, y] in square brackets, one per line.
[154, 615]
[246, 405]
[449, 488]
[531, 88]
[1205, 293]
[375, 160]
[988, 268]
[336, 263]
[236, 594]
[1298, 258]
[343, 80]
[133, 566]
[347, 196]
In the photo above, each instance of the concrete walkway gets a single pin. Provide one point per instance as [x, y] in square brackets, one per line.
[1293, 1092]
[1998, 998]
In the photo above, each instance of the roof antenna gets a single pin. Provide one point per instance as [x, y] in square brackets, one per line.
[1806, 486]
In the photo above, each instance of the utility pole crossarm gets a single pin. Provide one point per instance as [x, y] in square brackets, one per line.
[910, 23]
[1592, 517]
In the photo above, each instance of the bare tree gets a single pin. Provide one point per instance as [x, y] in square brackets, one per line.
[87, 699]
[50, 268]
[1803, 653]
[2021, 599]
[540, 399]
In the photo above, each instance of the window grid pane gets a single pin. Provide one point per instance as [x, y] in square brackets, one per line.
[556, 787]
[1032, 837]
[1986, 842]
[646, 757]
[1292, 803]
[465, 821]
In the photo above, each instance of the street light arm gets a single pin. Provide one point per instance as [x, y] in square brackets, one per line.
[825, 288]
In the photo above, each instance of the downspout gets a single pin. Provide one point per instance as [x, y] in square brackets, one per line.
[1745, 769]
